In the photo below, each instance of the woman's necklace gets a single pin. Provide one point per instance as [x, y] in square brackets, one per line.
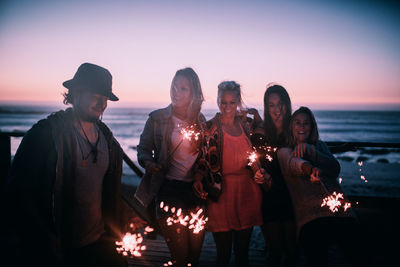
[93, 148]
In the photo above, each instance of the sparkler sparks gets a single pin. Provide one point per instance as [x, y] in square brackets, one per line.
[169, 263]
[347, 205]
[190, 132]
[360, 163]
[267, 150]
[252, 157]
[334, 203]
[148, 229]
[196, 221]
[131, 245]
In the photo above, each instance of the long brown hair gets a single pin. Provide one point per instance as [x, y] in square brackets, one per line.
[314, 135]
[271, 133]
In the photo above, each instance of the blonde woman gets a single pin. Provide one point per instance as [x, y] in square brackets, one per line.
[238, 208]
[169, 160]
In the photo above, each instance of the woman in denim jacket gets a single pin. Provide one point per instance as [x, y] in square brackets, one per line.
[169, 157]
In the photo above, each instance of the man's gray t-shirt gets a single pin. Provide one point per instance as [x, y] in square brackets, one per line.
[88, 223]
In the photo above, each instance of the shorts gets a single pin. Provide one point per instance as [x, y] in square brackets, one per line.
[177, 195]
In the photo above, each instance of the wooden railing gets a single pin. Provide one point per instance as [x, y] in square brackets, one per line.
[5, 155]
[335, 147]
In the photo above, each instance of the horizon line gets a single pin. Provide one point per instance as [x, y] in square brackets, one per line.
[155, 105]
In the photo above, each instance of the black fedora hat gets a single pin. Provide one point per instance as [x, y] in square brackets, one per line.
[92, 78]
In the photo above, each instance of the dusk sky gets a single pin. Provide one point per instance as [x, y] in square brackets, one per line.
[328, 54]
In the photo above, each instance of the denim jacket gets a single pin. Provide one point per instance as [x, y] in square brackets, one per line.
[155, 145]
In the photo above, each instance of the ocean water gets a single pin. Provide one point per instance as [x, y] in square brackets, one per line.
[128, 123]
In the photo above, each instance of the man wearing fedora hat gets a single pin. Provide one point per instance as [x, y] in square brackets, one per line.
[65, 179]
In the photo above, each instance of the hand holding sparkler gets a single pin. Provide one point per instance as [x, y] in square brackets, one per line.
[313, 172]
[314, 177]
[199, 189]
[259, 176]
[264, 179]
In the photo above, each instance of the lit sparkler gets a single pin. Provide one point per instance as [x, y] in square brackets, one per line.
[196, 221]
[252, 157]
[190, 132]
[267, 150]
[333, 201]
[131, 245]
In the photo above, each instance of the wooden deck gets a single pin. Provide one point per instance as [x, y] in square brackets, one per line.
[378, 217]
[157, 254]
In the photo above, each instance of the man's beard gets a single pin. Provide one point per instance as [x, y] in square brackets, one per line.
[87, 117]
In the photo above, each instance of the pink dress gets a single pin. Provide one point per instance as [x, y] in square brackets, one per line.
[239, 205]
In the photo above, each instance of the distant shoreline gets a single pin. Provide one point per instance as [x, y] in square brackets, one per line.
[212, 105]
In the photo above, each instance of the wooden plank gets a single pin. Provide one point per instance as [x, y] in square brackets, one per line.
[157, 254]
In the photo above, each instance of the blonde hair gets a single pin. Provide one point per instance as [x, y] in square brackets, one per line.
[233, 87]
[196, 93]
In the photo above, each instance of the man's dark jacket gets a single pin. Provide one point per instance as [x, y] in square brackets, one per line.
[41, 186]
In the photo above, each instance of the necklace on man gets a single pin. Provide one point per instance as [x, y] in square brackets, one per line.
[93, 148]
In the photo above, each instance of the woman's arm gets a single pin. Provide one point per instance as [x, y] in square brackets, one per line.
[325, 161]
[146, 148]
[292, 164]
[320, 157]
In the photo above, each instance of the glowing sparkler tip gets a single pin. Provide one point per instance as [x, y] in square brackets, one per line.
[190, 132]
[149, 229]
[252, 157]
[333, 201]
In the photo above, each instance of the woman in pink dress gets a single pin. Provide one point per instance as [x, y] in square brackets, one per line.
[233, 214]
